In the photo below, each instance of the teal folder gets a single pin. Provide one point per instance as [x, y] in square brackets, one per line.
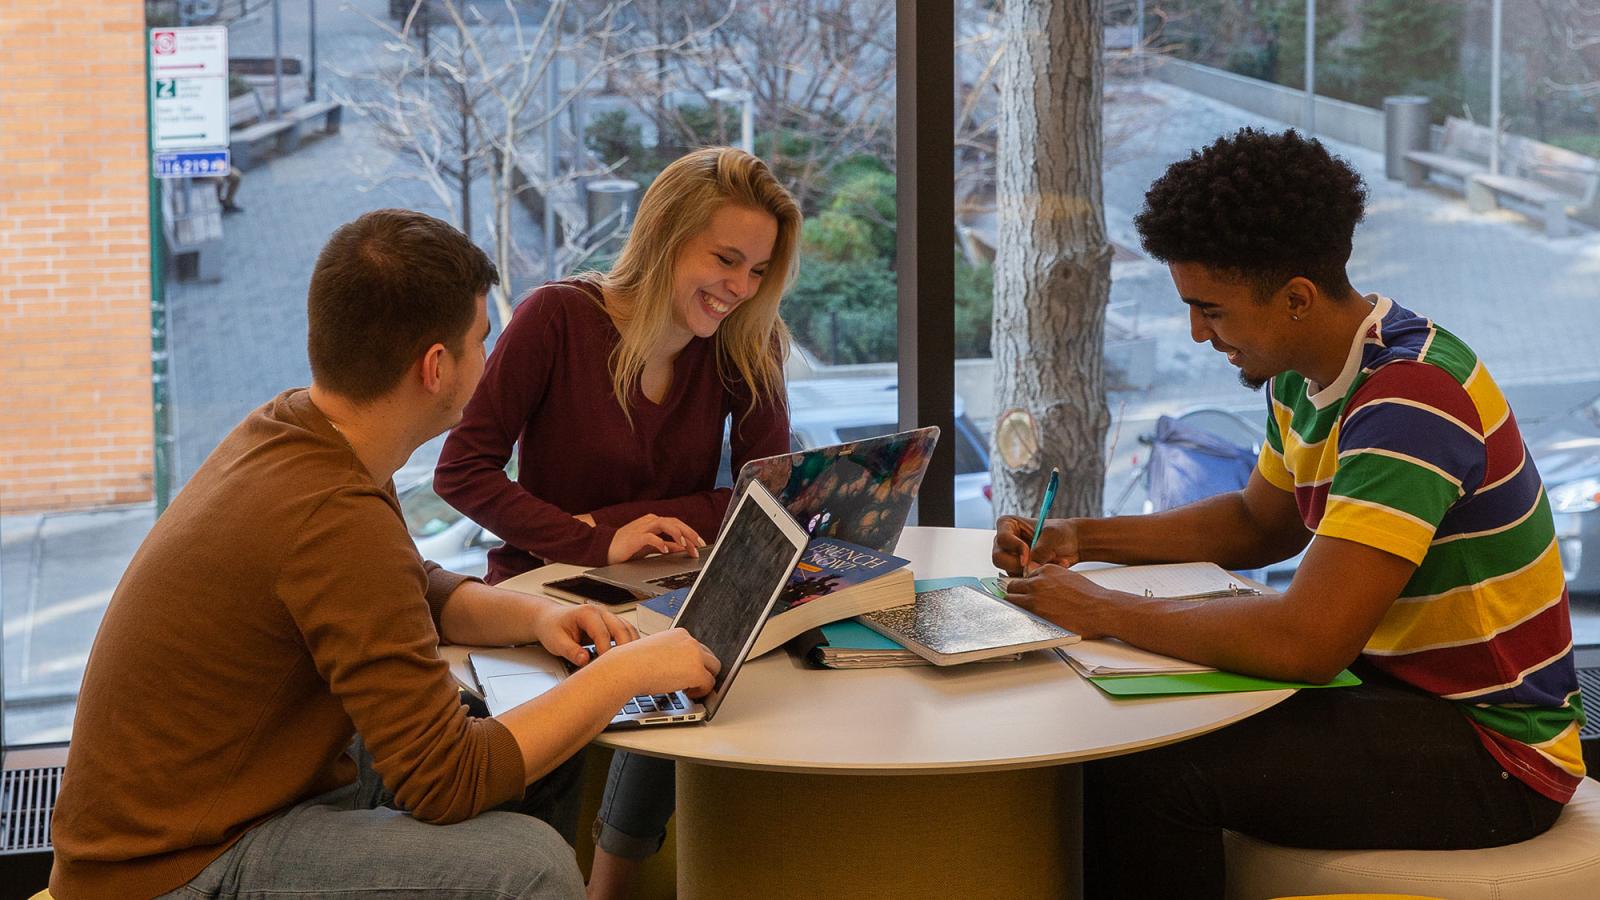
[1203, 683]
[852, 635]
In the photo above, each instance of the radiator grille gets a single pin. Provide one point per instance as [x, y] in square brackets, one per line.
[27, 798]
[1589, 683]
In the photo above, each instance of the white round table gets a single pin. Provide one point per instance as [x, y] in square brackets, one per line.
[905, 782]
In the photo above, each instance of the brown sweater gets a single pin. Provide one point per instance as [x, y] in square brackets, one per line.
[276, 608]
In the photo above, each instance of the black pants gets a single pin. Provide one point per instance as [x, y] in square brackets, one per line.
[1379, 766]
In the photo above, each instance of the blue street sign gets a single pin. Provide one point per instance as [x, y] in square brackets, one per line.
[191, 163]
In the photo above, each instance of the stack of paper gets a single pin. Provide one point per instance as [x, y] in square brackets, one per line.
[1109, 656]
[852, 645]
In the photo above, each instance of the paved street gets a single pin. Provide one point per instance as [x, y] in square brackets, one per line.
[238, 342]
[1524, 301]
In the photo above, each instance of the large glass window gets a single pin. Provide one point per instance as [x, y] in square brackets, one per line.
[338, 108]
[535, 127]
[1510, 276]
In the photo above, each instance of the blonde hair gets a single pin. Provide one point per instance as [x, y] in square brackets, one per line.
[752, 341]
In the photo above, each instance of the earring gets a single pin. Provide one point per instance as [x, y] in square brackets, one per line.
[1295, 318]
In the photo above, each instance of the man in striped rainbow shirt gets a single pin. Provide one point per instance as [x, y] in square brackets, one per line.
[1432, 568]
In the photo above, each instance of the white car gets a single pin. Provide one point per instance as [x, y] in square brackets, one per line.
[827, 411]
[441, 533]
[822, 412]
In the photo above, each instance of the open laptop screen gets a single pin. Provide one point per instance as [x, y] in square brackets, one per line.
[859, 491]
[736, 587]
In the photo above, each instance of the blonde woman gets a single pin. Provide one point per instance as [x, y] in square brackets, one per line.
[615, 389]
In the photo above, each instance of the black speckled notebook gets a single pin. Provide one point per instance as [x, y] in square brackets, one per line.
[962, 624]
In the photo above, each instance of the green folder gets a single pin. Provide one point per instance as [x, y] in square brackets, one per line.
[1203, 683]
[1154, 685]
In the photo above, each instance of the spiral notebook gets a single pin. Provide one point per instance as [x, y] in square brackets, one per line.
[1176, 581]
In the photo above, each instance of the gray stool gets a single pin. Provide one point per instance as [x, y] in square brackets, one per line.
[1564, 862]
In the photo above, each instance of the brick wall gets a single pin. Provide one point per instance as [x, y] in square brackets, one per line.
[75, 410]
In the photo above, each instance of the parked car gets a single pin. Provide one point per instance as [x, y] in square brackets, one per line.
[822, 412]
[1565, 444]
[827, 411]
[441, 533]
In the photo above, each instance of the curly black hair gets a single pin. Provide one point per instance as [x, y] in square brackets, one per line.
[1259, 207]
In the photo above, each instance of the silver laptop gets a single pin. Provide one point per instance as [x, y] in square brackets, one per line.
[725, 609]
[860, 491]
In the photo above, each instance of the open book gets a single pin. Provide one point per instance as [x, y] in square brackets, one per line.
[834, 580]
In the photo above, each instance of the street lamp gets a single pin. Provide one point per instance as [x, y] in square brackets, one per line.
[747, 126]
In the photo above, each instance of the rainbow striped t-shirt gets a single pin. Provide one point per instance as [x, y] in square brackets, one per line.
[1414, 451]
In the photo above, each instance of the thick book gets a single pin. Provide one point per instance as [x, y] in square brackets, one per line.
[961, 624]
[834, 580]
[848, 644]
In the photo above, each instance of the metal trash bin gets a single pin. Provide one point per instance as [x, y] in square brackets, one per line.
[1405, 128]
[609, 204]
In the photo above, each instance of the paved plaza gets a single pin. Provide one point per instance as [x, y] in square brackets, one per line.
[1524, 301]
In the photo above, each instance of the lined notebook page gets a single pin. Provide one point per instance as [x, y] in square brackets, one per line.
[1176, 580]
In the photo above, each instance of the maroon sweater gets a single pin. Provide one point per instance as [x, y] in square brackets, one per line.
[547, 390]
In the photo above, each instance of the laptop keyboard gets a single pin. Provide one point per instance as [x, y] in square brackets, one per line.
[655, 703]
[643, 703]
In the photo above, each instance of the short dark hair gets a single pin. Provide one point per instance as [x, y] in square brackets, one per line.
[1258, 207]
[386, 288]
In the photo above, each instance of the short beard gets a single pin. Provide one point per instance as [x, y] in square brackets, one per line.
[1254, 384]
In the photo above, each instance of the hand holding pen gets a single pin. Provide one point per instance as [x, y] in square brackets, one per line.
[1044, 510]
[1021, 545]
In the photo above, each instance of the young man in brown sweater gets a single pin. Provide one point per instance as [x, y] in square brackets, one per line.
[279, 607]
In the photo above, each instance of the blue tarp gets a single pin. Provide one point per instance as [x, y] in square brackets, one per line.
[1189, 464]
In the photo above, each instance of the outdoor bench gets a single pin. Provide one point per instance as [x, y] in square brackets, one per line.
[284, 132]
[1558, 183]
[1463, 153]
[191, 224]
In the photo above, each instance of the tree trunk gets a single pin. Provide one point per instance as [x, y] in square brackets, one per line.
[504, 187]
[1053, 264]
[466, 165]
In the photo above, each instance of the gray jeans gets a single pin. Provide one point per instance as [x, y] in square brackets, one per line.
[345, 844]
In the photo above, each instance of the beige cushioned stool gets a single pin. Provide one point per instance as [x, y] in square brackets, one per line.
[1564, 862]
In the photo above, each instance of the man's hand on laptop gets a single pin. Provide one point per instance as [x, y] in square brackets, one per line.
[564, 629]
[664, 662]
[653, 534]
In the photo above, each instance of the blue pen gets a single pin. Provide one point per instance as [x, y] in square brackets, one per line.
[1044, 505]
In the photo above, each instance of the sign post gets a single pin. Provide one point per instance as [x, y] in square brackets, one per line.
[189, 101]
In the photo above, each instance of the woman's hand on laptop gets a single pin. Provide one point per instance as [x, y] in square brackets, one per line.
[1058, 544]
[653, 534]
[664, 662]
[563, 629]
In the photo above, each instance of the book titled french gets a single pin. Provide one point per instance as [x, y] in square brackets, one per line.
[834, 580]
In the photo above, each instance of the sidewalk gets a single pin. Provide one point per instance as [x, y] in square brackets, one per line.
[1525, 302]
[236, 343]
[57, 571]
